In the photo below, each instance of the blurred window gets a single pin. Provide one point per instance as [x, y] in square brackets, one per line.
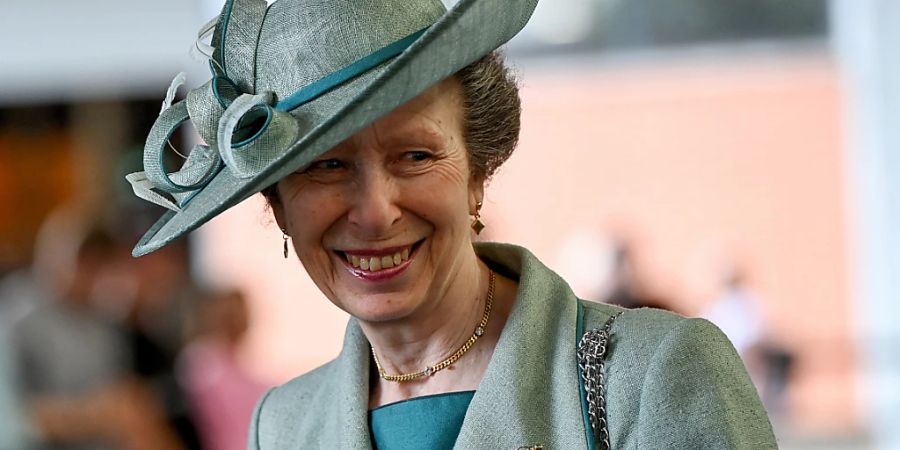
[604, 25]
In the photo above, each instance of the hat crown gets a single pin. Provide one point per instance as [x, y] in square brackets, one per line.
[302, 41]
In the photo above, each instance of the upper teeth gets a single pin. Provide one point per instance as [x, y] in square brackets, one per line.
[375, 263]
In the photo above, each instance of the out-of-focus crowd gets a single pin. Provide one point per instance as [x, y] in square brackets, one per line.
[99, 350]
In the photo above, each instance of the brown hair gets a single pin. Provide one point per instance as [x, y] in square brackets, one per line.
[492, 111]
[492, 115]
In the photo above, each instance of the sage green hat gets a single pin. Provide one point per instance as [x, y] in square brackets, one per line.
[292, 80]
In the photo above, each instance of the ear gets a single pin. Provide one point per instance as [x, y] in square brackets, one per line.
[476, 192]
[277, 210]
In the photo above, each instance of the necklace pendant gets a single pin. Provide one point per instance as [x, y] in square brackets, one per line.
[479, 331]
[429, 371]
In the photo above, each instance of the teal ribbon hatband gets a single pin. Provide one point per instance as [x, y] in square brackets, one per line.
[325, 84]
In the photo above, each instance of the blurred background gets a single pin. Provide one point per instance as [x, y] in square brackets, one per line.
[734, 160]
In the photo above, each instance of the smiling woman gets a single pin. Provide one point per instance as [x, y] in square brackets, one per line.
[378, 177]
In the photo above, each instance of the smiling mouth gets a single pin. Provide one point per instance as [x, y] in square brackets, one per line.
[380, 260]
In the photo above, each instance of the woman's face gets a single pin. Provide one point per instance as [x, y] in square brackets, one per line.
[381, 221]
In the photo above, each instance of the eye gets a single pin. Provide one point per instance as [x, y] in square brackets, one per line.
[329, 170]
[415, 162]
[416, 156]
[325, 165]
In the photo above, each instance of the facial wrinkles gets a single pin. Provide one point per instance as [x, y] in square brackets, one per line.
[377, 188]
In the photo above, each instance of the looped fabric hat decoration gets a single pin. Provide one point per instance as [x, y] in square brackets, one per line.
[292, 80]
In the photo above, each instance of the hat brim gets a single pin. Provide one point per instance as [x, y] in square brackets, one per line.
[468, 31]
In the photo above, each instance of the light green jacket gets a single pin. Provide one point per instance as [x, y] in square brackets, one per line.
[673, 383]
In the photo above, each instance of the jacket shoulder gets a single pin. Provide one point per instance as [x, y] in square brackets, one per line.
[696, 369]
[676, 382]
[302, 389]
[286, 414]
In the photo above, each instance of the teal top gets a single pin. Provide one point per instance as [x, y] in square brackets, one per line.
[431, 422]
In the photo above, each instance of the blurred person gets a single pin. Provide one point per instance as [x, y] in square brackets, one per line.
[71, 361]
[585, 259]
[220, 390]
[628, 289]
[14, 428]
[18, 296]
[374, 166]
[737, 313]
[155, 330]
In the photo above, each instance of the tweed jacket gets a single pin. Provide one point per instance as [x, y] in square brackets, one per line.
[673, 383]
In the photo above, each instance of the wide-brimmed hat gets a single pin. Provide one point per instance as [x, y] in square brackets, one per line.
[294, 79]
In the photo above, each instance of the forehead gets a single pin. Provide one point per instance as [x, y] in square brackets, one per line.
[436, 114]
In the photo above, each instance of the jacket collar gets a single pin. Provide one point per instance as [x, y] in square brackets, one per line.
[529, 395]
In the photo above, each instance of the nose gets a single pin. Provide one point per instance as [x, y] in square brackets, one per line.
[375, 208]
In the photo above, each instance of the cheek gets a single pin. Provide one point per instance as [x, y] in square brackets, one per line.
[309, 220]
[301, 200]
[310, 225]
[440, 198]
[309, 213]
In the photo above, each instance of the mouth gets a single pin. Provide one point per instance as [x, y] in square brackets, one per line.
[387, 262]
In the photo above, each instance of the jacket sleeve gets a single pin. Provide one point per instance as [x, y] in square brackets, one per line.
[696, 394]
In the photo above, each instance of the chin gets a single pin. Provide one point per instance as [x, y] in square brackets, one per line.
[378, 308]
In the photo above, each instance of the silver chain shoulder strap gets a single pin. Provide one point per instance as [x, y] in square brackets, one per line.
[591, 356]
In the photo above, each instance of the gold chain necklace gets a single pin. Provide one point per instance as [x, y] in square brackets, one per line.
[430, 370]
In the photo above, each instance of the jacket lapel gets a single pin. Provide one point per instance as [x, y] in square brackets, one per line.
[351, 384]
[529, 395]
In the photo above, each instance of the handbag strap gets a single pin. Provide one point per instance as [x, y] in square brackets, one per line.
[592, 347]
